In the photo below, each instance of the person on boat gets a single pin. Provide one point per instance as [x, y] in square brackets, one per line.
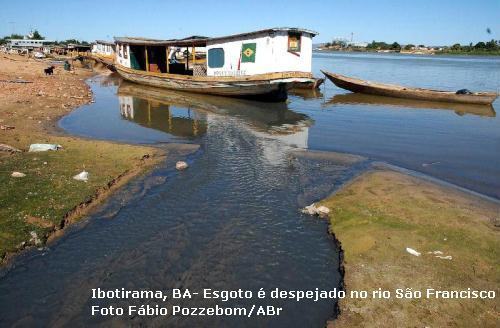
[173, 56]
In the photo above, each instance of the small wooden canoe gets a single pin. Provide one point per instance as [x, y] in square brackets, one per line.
[372, 100]
[391, 90]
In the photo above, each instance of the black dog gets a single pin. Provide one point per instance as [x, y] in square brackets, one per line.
[49, 70]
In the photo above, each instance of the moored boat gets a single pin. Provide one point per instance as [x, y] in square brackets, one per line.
[262, 64]
[104, 53]
[390, 90]
[373, 100]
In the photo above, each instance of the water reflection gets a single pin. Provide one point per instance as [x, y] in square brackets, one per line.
[272, 118]
[307, 93]
[190, 115]
[162, 117]
[371, 100]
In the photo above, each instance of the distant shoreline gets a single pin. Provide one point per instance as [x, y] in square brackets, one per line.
[436, 53]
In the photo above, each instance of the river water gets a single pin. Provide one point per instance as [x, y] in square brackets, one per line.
[231, 220]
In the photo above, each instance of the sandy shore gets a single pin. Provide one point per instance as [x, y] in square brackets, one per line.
[47, 199]
[382, 213]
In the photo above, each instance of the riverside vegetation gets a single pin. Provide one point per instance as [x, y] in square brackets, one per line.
[379, 215]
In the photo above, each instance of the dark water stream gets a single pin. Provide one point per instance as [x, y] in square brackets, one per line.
[231, 220]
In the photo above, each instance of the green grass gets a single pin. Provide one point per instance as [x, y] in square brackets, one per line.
[49, 191]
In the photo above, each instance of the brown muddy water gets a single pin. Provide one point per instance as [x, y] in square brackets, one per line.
[231, 220]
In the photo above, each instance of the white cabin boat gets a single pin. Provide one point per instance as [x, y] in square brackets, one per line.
[105, 49]
[261, 64]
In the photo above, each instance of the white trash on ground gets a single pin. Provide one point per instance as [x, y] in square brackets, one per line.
[44, 147]
[321, 211]
[16, 174]
[82, 176]
[181, 165]
[412, 251]
[448, 257]
[34, 238]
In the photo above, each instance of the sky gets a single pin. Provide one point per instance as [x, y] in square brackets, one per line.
[429, 22]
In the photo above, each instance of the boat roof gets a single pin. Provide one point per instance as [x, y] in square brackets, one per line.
[269, 30]
[109, 43]
[196, 40]
[156, 42]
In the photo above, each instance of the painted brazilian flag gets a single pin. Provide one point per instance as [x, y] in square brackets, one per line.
[248, 52]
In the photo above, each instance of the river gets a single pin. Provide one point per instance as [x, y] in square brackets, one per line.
[232, 219]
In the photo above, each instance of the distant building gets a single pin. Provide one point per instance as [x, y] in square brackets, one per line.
[28, 44]
[358, 44]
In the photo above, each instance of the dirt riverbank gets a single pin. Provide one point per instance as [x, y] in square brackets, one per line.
[47, 198]
[382, 213]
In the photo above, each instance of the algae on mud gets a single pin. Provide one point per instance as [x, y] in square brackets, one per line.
[47, 197]
[381, 213]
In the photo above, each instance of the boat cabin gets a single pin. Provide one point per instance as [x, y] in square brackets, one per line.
[103, 48]
[272, 50]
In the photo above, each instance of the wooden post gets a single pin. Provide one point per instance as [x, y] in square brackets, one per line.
[149, 112]
[194, 55]
[169, 119]
[147, 59]
[168, 60]
[195, 127]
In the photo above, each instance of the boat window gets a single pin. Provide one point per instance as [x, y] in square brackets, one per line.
[294, 42]
[215, 57]
[125, 49]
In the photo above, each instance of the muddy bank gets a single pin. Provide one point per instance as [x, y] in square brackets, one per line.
[379, 215]
[43, 202]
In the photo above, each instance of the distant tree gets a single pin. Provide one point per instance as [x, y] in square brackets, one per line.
[480, 45]
[14, 36]
[37, 36]
[378, 45]
[339, 43]
[421, 46]
[328, 44]
[395, 46]
[75, 41]
[409, 46]
[371, 45]
[492, 45]
[456, 46]
[6, 39]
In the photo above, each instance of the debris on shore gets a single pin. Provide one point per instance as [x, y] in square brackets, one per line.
[82, 176]
[181, 165]
[16, 174]
[412, 251]
[44, 147]
[10, 149]
[321, 211]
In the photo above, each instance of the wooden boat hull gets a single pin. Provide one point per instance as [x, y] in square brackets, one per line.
[271, 87]
[372, 100]
[389, 90]
[107, 61]
[312, 85]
